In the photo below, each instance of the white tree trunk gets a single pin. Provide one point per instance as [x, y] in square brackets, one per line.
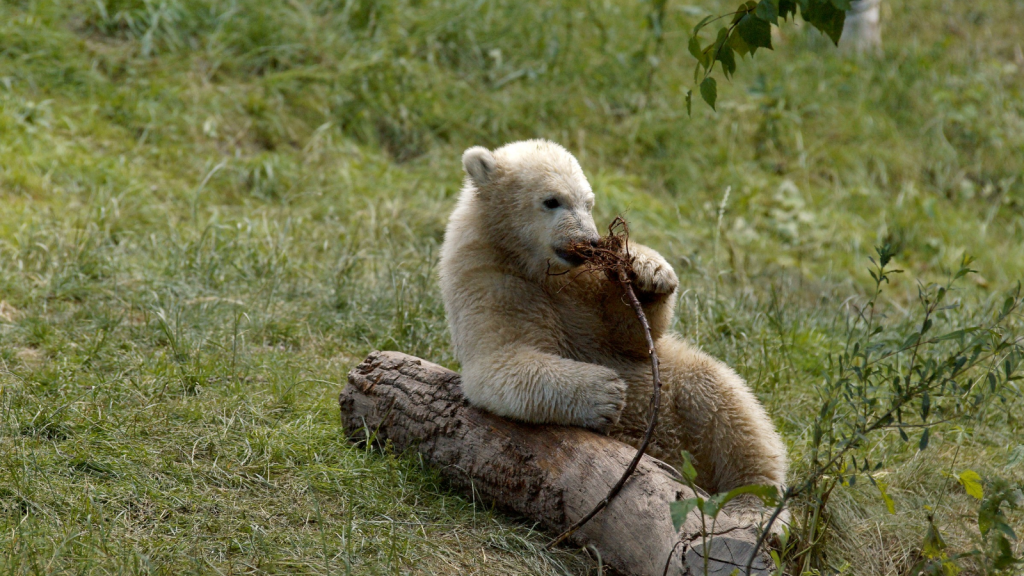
[862, 31]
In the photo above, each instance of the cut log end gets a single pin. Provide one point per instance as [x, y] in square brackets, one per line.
[553, 475]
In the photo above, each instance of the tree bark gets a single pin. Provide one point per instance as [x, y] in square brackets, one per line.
[550, 474]
[862, 30]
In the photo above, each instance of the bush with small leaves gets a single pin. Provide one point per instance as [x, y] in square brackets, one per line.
[912, 383]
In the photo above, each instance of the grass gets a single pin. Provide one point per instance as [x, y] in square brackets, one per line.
[210, 211]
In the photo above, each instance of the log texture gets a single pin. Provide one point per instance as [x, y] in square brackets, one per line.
[550, 474]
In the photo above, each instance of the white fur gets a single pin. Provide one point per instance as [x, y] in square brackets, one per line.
[478, 164]
[541, 346]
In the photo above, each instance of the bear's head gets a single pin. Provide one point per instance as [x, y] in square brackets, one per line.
[534, 202]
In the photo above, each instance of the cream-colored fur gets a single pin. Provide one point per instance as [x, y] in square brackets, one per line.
[541, 342]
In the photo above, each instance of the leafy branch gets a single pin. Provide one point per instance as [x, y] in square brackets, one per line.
[750, 29]
[885, 379]
[873, 386]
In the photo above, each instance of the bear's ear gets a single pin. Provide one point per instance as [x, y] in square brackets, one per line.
[478, 162]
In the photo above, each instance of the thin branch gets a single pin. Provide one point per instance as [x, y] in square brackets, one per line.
[613, 256]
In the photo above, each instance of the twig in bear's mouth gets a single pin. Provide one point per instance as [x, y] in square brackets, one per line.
[611, 256]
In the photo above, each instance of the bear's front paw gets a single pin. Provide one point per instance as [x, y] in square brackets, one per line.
[654, 275]
[608, 398]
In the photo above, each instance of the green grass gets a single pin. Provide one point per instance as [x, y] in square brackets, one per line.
[210, 211]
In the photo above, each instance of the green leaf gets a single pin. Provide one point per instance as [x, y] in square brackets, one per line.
[962, 272]
[926, 404]
[824, 16]
[694, 47]
[990, 514]
[687, 469]
[709, 91]
[787, 8]
[743, 10]
[955, 334]
[767, 11]
[680, 510]
[987, 514]
[689, 102]
[702, 23]
[709, 54]
[769, 495]
[755, 32]
[1005, 558]
[723, 35]
[1006, 529]
[971, 481]
[933, 542]
[926, 325]
[924, 440]
[725, 56]
[711, 506]
[737, 44]
[889, 504]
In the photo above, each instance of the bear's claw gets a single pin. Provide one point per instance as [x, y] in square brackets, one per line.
[654, 274]
[607, 402]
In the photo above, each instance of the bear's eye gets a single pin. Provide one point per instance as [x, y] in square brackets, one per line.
[551, 203]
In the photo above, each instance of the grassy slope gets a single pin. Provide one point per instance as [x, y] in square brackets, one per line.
[209, 211]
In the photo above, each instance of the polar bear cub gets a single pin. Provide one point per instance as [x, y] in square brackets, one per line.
[540, 342]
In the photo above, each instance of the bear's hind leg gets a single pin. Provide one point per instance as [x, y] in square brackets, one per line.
[715, 416]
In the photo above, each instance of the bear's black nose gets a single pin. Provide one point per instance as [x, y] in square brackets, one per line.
[594, 241]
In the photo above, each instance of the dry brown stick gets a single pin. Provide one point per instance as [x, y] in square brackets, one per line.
[621, 267]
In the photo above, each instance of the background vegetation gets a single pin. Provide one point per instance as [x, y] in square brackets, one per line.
[210, 210]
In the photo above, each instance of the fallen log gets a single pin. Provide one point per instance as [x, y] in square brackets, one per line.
[550, 474]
